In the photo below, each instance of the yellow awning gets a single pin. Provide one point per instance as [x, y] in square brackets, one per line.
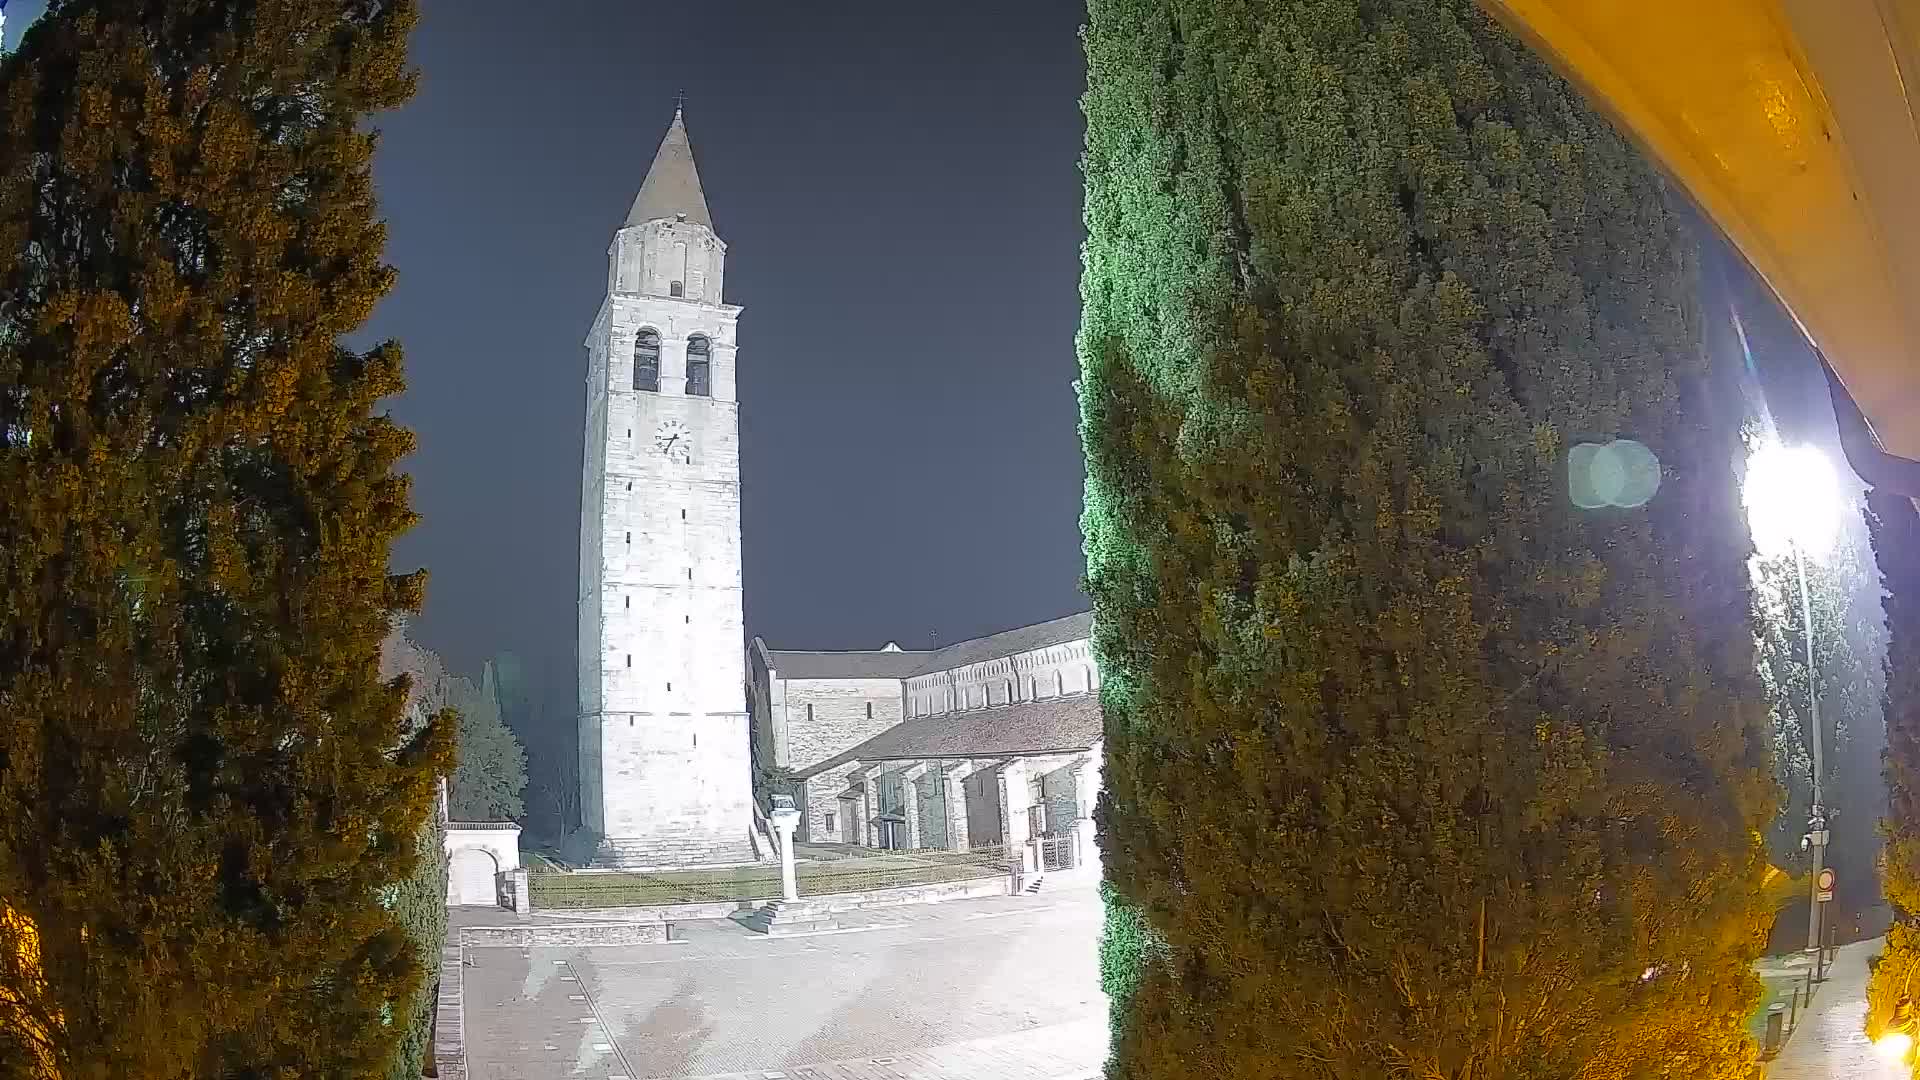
[1792, 124]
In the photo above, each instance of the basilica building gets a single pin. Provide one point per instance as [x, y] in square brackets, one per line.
[988, 742]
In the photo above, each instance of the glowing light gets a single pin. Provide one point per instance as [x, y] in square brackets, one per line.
[1894, 1046]
[1792, 500]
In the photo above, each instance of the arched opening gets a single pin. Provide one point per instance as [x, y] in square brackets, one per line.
[471, 878]
[699, 367]
[646, 360]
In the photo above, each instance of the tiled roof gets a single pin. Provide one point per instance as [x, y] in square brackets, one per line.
[1029, 727]
[1010, 642]
[866, 664]
[672, 185]
[895, 664]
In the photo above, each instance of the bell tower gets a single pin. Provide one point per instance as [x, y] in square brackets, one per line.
[664, 763]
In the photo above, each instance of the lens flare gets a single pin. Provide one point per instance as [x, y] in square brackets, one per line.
[1894, 1046]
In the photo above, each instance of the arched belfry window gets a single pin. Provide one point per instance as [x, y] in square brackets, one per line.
[699, 367]
[646, 360]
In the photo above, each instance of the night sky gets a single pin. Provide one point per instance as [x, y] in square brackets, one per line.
[897, 185]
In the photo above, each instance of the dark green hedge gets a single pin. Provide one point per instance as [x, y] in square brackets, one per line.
[420, 903]
[1413, 769]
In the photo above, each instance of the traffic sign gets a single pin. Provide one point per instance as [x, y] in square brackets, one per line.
[1825, 879]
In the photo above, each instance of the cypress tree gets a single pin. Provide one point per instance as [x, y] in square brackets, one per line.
[491, 778]
[1413, 767]
[206, 788]
[419, 902]
[1894, 989]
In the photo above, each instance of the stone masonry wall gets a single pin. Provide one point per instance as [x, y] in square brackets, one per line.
[1067, 668]
[1059, 789]
[844, 713]
[664, 718]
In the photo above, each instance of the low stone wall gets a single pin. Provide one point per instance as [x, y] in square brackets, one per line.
[651, 913]
[449, 1021]
[995, 885]
[542, 934]
[972, 888]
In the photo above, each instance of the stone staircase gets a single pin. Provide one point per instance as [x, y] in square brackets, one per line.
[779, 917]
[675, 852]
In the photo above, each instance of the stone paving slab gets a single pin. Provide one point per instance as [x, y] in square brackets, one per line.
[969, 990]
[1830, 1042]
[1061, 1052]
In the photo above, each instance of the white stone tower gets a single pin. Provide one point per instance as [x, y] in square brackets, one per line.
[664, 767]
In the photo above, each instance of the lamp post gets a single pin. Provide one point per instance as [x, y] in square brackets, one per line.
[1793, 507]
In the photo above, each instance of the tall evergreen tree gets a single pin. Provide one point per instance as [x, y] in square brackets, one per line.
[1847, 655]
[491, 778]
[1413, 768]
[1894, 991]
[205, 785]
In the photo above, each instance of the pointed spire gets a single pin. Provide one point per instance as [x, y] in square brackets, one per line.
[672, 187]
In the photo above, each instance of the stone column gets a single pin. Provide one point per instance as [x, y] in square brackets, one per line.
[954, 791]
[856, 819]
[870, 799]
[1014, 800]
[1086, 780]
[863, 836]
[910, 797]
[785, 820]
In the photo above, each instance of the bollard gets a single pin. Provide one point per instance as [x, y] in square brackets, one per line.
[1793, 1014]
[1776, 1029]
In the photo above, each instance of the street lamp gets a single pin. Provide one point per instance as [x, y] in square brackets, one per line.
[1793, 505]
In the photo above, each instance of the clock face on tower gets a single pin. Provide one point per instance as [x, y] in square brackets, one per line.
[674, 442]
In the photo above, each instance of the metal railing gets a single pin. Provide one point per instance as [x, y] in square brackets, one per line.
[1056, 851]
[881, 870]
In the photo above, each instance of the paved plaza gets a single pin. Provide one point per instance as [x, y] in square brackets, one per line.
[989, 989]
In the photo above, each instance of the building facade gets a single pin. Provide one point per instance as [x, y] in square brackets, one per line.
[987, 743]
[664, 760]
